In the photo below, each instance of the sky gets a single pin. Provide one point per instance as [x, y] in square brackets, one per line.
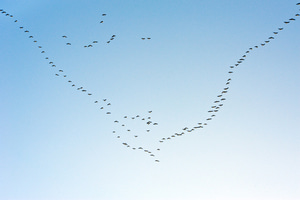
[56, 143]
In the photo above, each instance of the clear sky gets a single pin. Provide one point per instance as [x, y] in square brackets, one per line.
[56, 143]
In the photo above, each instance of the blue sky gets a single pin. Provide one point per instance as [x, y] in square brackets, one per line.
[56, 143]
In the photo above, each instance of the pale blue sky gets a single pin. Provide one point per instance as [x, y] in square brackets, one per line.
[57, 144]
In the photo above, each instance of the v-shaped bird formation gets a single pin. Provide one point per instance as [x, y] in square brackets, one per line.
[146, 119]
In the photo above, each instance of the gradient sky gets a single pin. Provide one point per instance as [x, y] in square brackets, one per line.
[56, 144]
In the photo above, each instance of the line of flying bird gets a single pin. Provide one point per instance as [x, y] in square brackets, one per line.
[147, 120]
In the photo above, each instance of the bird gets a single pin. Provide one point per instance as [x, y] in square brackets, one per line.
[286, 22]
[292, 19]
[156, 160]
[271, 38]
[108, 113]
[95, 41]
[31, 36]
[148, 38]
[143, 38]
[275, 33]
[64, 36]
[16, 20]
[68, 43]
[101, 22]
[280, 29]
[297, 15]
[26, 31]
[103, 14]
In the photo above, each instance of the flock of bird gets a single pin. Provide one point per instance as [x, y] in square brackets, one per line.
[104, 104]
